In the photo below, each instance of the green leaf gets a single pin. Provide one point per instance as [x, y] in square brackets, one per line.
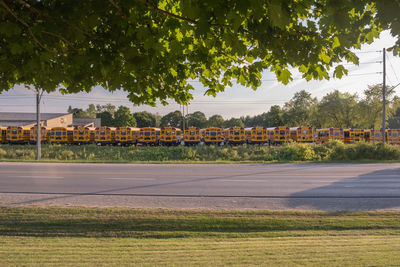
[340, 71]
[173, 72]
[335, 43]
[284, 76]
[278, 16]
[371, 35]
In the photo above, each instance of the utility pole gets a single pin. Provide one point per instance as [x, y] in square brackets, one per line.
[384, 97]
[183, 117]
[38, 126]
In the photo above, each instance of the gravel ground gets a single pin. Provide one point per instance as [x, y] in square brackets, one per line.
[336, 204]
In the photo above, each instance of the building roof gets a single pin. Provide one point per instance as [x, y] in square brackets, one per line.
[93, 122]
[16, 123]
[20, 116]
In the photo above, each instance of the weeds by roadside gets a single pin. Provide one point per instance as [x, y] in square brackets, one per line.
[332, 151]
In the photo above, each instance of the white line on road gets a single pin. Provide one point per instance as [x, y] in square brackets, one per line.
[234, 180]
[135, 179]
[38, 177]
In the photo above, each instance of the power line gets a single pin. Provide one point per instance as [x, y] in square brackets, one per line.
[301, 78]
[366, 52]
[390, 63]
[107, 99]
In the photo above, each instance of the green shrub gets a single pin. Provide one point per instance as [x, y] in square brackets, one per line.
[66, 155]
[3, 153]
[334, 150]
[297, 152]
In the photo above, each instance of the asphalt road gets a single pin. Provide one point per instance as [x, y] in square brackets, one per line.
[214, 186]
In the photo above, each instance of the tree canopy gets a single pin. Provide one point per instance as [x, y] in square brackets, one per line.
[152, 48]
[173, 119]
[145, 119]
[124, 117]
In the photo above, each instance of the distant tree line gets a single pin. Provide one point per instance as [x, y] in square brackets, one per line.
[335, 109]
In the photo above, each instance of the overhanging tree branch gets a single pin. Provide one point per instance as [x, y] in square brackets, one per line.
[113, 3]
[26, 25]
[147, 3]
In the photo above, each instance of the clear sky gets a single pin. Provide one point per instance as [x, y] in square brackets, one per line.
[236, 101]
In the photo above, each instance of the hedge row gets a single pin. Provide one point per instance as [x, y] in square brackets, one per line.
[333, 151]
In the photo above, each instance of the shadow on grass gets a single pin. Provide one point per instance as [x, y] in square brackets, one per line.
[90, 222]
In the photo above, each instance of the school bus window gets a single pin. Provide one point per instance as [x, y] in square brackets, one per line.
[237, 132]
[192, 133]
[213, 134]
[282, 132]
[336, 134]
[153, 133]
[394, 135]
[123, 132]
[81, 132]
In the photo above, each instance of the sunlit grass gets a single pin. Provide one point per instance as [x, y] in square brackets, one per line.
[122, 236]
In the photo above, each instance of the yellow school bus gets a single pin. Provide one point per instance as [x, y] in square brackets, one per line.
[393, 136]
[44, 134]
[170, 136]
[235, 135]
[149, 136]
[327, 134]
[82, 135]
[256, 135]
[92, 135]
[126, 136]
[213, 135]
[352, 136]
[368, 136]
[192, 136]
[376, 135]
[61, 135]
[278, 135]
[302, 134]
[18, 135]
[3, 135]
[104, 135]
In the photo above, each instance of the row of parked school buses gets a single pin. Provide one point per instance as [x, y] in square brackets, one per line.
[192, 135]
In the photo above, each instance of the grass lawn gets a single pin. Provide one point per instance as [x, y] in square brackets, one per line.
[35, 236]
